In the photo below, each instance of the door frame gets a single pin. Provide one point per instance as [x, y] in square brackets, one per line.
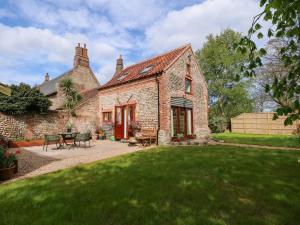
[178, 111]
[124, 128]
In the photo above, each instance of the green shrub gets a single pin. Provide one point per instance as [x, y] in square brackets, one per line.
[217, 124]
[24, 99]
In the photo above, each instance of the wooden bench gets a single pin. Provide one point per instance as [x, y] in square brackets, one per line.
[147, 137]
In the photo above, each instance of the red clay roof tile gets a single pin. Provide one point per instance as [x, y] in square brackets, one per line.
[133, 72]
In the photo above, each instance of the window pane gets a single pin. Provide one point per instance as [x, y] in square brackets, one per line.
[119, 116]
[181, 121]
[189, 121]
[187, 86]
[174, 112]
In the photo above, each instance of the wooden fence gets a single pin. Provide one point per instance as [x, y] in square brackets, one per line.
[261, 123]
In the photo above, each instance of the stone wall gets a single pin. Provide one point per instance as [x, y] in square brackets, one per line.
[143, 94]
[31, 126]
[83, 78]
[34, 126]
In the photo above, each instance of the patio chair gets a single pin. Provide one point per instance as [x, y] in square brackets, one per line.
[84, 137]
[50, 138]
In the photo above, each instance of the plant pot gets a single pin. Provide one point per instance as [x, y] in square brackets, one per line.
[7, 173]
[16, 163]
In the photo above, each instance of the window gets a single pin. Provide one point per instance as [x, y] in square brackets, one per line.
[146, 69]
[107, 117]
[181, 121]
[188, 86]
[122, 76]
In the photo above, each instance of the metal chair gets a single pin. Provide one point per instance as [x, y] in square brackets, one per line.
[50, 138]
[84, 137]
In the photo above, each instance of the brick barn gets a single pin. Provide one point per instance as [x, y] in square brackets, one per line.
[167, 93]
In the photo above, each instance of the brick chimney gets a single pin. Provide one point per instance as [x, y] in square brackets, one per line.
[47, 77]
[119, 65]
[81, 56]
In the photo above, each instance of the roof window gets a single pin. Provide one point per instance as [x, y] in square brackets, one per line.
[146, 69]
[122, 76]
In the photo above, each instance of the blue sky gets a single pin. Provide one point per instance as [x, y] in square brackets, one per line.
[40, 36]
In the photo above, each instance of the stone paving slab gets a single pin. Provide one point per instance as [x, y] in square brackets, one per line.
[33, 161]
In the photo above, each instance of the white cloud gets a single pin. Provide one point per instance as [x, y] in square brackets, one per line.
[193, 24]
[21, 46]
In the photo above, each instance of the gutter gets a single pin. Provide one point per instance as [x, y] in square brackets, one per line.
[158, 107]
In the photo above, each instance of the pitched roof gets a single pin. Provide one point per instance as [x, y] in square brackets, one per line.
[146, 68]
[49, 87]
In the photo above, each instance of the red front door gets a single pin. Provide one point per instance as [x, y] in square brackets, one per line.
[119, 122]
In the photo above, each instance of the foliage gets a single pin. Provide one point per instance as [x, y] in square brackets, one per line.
[218, 124]
[209, 185]
[260, 139]
[220, 62]
[284, 16]
[24, 99]
[72, 96]
[7, 158]
[135, 126]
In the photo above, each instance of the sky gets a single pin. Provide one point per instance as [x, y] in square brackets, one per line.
[40, 36]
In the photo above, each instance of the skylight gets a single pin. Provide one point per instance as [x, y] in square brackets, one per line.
[146, 69]
[122, 76]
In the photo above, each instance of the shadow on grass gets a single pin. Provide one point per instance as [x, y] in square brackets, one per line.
[178, 185]
[29, 161]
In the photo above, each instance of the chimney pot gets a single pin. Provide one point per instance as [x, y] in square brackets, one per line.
[119, 65]
[47, 77]
[81, 56]
[84, 45]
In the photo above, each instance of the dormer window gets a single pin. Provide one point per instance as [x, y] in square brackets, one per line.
[146, 69]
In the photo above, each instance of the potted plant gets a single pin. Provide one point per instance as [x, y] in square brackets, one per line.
[180, 138]
[134, 127]
[7, 164]
[69, 127]
[102, 135]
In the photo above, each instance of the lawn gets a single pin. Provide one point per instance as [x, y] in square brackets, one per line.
[260, 139]
[214, 185]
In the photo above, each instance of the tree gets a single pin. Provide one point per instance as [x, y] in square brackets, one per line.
[24, 99]
[220, 62]
[284, 16]
[72, 96]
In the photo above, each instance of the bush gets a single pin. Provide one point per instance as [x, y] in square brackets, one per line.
[24, 99]
[217, 124]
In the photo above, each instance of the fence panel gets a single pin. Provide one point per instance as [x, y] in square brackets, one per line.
[261, 123]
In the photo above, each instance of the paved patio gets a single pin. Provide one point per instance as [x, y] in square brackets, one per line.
[33, 161]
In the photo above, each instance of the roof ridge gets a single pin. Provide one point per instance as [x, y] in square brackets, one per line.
[156, 56]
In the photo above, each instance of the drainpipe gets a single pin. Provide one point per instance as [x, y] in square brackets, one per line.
[158, 107]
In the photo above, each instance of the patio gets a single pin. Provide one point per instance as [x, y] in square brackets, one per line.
[33, 161]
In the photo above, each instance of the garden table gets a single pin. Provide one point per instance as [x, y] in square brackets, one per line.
[68, 137]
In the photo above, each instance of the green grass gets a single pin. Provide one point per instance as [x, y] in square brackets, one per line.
[260, 139]
[214, 185]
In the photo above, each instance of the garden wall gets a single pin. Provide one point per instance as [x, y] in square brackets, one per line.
[261, 123]
[32, 126]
